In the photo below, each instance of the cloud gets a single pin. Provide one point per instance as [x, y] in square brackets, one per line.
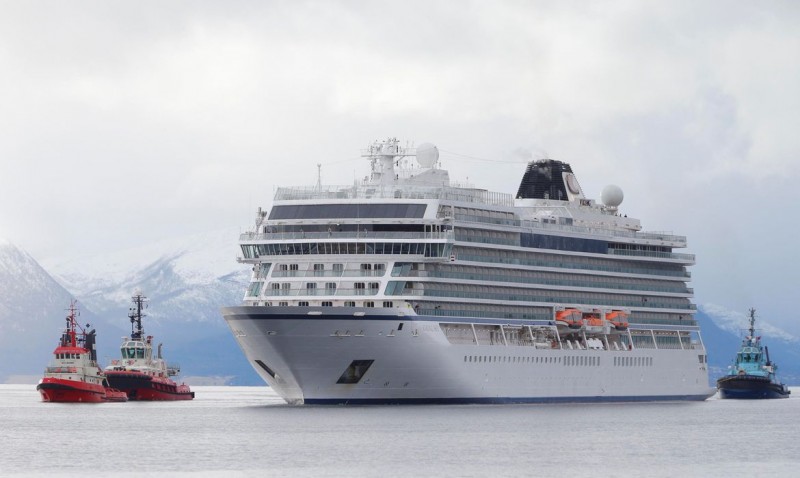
[128, 123]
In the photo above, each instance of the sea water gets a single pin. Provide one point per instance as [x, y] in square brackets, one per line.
[250, 431]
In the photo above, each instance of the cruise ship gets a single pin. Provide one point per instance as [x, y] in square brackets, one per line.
[405, 287]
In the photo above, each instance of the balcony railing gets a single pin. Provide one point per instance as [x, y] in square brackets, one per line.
[662, 255]
[342, 273]
[338, 292]
[678, 241]
[283, 236]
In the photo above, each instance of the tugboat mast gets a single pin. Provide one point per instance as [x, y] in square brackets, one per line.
[136, 314]
[752, 323]
[70, 336]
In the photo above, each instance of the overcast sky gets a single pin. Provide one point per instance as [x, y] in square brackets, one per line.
[123, 123]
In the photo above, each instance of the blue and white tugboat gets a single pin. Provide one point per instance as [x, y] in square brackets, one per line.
[753, 374]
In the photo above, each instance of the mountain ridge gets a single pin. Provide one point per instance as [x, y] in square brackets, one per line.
[185, 294]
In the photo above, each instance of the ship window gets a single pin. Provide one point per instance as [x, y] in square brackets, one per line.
[283, 267]
[327, 304]
[255, 289]
[369, 303]
[283, 304]
[355, 371]
[139, 353]
[349, 303]
[366, 211]
[293, 267]
[302, 303]
[374, 286]
[330, 286]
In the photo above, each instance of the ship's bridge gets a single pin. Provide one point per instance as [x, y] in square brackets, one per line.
[133, 349]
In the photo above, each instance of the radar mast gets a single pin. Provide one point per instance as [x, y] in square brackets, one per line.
[135, 314]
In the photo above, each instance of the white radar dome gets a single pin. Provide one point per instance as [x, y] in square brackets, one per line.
[427, 155]
[612, 195]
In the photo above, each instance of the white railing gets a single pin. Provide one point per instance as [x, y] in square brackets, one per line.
[283, 236]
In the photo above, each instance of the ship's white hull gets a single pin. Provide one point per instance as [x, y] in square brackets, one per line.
[303, 355]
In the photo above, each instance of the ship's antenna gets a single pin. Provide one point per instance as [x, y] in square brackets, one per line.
[135, 314]
[72, 326]
[319, 177]
[752, 323]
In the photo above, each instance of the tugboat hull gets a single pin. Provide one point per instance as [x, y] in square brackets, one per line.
[749, 387]
[69, 391]
[142, 387]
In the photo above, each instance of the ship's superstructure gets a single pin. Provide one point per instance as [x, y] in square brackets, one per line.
[405, 288]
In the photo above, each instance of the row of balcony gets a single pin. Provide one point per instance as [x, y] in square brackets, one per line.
[333, 234]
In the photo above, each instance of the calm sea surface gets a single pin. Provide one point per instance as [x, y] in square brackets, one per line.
[249, 431]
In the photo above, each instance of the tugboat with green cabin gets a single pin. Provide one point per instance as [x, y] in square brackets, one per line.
[753, 374]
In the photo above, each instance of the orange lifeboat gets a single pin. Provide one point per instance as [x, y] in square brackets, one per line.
[618, 318]
[571, 318]
[594, 323]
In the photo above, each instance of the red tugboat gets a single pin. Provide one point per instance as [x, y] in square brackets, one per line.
[140, 374]
[73, 374]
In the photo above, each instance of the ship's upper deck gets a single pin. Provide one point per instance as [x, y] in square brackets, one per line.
[549, 199]
[395, 191]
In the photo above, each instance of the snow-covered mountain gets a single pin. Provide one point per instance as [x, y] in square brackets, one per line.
[187, 280]
[181, 275]
[32, 311]
[722, 330]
